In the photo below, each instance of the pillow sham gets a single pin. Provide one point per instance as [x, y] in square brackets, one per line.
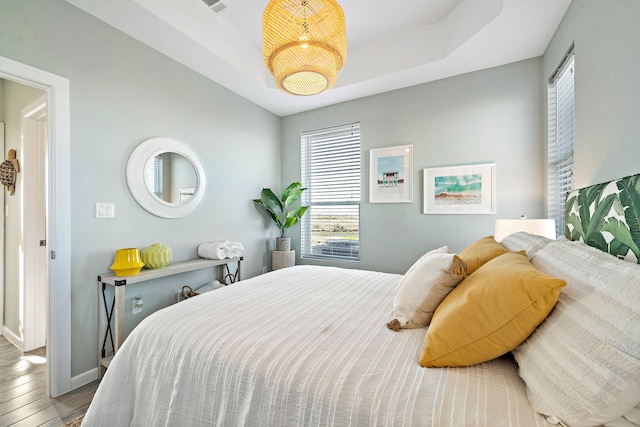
[522, 241]
[582, 366]
[424, 286]
[479, 252]
[490, 313]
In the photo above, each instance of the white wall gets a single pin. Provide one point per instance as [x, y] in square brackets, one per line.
[123, 92]
[607, 60]
[488, 116]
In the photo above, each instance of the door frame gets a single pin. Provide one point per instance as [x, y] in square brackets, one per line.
[58, 217]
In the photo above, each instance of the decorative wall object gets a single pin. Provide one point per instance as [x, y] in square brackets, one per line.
[127, 262]
[459, 189]
[391, 174]
[8, 170]
[156, 256]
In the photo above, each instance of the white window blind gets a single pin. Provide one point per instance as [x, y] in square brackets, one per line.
[331, 174]
[153, 173]
[561, 139]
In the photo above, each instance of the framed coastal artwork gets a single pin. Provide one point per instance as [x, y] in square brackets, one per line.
[466, 189]
[391, 174]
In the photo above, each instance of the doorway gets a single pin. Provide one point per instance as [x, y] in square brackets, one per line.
[34, 277]
[58, 218]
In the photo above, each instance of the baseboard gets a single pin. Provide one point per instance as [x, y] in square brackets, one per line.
[12, 338]
[84, 378]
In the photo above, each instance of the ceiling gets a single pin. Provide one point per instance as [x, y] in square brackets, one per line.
[391, 44]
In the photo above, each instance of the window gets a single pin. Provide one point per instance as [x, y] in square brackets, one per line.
[561, 139]
[331, 173]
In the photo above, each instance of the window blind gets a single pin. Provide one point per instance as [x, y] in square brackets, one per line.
[331, 174]
[153, 173]
[561, 137]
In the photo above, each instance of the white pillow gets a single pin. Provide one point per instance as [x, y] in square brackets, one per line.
[424, 286]
[522, 241]
[582, 365]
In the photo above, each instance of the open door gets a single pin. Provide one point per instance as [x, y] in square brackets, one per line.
[34, 190]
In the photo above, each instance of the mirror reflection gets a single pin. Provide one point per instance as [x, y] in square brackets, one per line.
[170, 177]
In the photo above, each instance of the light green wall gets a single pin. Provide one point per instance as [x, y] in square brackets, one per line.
[488, 116]
[123, 92]
[607, 60]
[16, 97]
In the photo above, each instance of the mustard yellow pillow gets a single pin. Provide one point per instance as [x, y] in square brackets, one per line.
[490, 313]
[481, 251]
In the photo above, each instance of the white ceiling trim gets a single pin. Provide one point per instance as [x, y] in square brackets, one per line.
[443, 38]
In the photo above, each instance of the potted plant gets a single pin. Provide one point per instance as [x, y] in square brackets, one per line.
[282, 212]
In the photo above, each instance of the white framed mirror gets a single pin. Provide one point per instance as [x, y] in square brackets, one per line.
[166, 177]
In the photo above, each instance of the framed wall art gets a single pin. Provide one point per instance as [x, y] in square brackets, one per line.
[391, 174]
[466, 189]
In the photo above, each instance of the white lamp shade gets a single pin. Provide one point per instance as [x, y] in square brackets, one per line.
[541, 227]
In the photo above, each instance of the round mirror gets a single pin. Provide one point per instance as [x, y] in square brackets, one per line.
[166, 177]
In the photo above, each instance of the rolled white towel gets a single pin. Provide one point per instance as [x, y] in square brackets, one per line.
[220, 249]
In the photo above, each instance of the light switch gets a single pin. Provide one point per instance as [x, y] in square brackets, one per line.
[105, 210]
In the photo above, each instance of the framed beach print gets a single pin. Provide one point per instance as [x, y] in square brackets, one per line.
[391, 174]
[459, 189]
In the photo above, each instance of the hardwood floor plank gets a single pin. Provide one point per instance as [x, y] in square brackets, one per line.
[24, 400]
[47, 415]
[20, 401]
[76, 402]
[24, 379]
[10, 373]
[12, 393]
[25, 411]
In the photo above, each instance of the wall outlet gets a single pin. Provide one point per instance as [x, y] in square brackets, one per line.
[264, 269]
[136, 305]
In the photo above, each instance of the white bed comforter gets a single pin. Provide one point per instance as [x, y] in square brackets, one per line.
[302, 346]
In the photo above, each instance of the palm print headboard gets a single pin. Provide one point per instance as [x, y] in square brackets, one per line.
[607, 216]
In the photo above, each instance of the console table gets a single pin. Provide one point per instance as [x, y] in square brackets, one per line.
[115, 313]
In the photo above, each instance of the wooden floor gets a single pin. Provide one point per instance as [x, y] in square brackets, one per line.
[23, 391]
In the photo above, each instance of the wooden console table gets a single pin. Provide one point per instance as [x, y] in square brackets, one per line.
[116, 312]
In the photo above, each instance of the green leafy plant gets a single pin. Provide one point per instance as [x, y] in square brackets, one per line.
[280, 208]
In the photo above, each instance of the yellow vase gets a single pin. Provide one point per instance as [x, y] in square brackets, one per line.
[127, 262]
[156, 256]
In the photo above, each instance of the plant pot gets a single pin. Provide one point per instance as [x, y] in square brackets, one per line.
[283, 243]
[282, 259]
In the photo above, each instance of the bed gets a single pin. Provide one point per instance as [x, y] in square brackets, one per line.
[310, 345]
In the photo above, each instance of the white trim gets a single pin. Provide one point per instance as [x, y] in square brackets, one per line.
[12, 337]
[58, 218]
[84, 378]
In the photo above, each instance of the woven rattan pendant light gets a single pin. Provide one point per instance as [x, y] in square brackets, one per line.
[304, 43]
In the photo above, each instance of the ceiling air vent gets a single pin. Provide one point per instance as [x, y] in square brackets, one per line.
[216, 5]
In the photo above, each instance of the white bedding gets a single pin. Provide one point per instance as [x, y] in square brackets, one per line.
[299, 346]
